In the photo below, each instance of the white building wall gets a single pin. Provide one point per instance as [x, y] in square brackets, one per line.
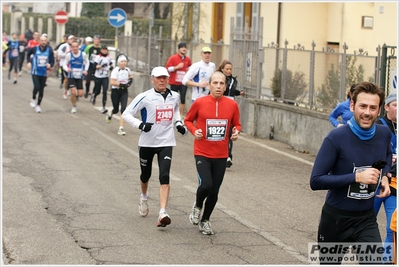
[48, 7]
[302, 23]
[269, 12]
[205, 25]
[334, 22]
[385, 24]
[76, 8]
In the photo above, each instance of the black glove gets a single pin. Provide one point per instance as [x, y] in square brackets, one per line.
[104, 65]
[181, 128]
[393, 169]
[111, 68]
[145, 127]
[379, 164]
[129, 82]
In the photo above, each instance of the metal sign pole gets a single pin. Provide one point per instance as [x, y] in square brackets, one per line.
[116, 38]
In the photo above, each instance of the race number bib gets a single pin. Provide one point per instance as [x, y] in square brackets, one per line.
[14, 52]
[41, 61]
[93, 55]
[77, 73]
[180, 75]
[362, 191]
[216, 129]
[163, 113]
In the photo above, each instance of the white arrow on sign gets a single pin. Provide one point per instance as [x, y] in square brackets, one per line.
[118, 17]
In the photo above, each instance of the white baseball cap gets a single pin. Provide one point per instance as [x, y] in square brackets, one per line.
[159, 71]
[89, 39]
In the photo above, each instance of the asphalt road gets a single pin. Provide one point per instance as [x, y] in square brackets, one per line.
[71, 192]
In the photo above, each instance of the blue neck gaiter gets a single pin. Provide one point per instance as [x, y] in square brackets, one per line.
[359, 132]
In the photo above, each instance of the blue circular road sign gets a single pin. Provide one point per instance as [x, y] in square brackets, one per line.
[117, 17]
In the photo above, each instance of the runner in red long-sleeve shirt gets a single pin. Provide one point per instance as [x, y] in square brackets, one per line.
[213, 115]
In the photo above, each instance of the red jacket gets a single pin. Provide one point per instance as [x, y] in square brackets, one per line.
[32, 43]
[176, 76]
[215, 117]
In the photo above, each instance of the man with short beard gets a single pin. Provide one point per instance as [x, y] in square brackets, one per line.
[352, 162]
[40, 60]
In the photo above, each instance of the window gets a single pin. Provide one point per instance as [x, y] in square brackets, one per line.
[247, 16]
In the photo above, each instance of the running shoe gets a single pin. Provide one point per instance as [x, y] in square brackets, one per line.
[65, 95]
[68, 93]
[143, 208]
[205, 228]
[20, 73]
[33, 103]
[163, 219]
[195, 215]
[108, 117]
[73, 110]
[38, 109]
[61, 86]
[15, 81]
[104, 110]
[229, 162]
[121, 131]
[86, 94]
[93, 99]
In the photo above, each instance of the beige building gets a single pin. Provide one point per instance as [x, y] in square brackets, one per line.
[361, 25]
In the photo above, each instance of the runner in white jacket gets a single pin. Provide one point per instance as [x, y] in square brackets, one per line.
[62, 51]
[159, 108]
[199, 73]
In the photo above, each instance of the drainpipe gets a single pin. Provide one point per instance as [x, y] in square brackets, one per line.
[278, 34]
[278, 23]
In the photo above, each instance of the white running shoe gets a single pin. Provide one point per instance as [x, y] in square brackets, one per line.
[73, 110]
[163, 219]
[65, 95]
[195, 215]
[143, 208]
[121, 131]
[68, 92]
[33, 103]
[38, 109]
[205, 228]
